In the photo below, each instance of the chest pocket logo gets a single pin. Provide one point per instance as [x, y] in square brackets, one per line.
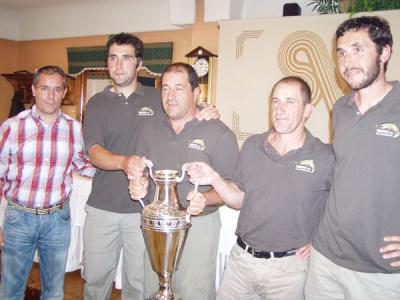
[388, 129]
[306, 165]
[197, 144]
[146, 111]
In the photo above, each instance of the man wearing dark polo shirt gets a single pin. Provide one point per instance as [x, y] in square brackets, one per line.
[169, 142]
[280, 186]
[114, 120]
[357, 246]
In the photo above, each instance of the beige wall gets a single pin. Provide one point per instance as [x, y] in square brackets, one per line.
[30, 55]
[265, 50]
[8, 64]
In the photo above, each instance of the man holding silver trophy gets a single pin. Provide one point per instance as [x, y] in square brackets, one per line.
[169, 142]
[281, 186]
[113, 122]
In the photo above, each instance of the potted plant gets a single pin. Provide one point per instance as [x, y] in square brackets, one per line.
[352, 6]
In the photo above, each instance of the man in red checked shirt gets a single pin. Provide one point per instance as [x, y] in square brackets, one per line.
[39, 149]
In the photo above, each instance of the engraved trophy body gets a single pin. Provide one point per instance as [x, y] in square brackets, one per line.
[165, 225]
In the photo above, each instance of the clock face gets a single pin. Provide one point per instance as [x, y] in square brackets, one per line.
[201, 67]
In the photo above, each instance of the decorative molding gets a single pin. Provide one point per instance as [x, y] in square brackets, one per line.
[304, 54]
[240, 39]
[240, 135]
[144, 68]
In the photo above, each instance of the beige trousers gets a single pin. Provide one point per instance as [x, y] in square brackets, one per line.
[247, 277]
[104, 235]
[328, 281]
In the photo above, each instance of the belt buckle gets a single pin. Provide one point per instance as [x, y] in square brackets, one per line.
[48, 210]
[43, 211]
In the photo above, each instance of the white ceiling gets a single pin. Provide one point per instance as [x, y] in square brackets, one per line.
[23, 4]
[48, 19]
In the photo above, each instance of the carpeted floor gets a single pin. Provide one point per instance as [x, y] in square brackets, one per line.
[73, 286]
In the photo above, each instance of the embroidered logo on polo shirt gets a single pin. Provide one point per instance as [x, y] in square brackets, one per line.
[146, 111]
[197, 144]
[306, 165]
[388, 129]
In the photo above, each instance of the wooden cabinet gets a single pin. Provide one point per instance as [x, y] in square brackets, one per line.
[23, 81]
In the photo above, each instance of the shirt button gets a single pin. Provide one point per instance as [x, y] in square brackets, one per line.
[358, 113]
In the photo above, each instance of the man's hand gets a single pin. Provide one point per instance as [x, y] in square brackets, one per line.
[201, 172]
[133, 166]
[304, 252]
[138, 187]
[207, 112]
[1, 238]
[392, 249]
[197, 203]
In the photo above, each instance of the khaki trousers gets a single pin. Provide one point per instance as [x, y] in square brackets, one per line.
[328, 281]
[247, 277]
[104, 235]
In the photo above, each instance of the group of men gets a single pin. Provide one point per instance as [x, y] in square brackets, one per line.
[315, 219]
[285, 176]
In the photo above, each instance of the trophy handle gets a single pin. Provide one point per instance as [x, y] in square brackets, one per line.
[196, 189]
[180, 179]
[150, 165]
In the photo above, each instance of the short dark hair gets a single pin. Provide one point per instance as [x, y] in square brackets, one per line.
[378, 31]
[124, 38]
[304, 87]
[49, 70]
[186, 68]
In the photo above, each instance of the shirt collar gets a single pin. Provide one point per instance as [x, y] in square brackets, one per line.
[308, 144]
[36, 115]
[138, 91]
[385, 101]
[190, 124]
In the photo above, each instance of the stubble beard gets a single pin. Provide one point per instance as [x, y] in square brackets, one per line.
[128, 80]
[371, 76]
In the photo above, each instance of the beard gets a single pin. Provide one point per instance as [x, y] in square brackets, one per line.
[122, 82]
[371, 75]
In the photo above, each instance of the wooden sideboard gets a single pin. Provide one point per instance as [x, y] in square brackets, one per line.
[23, 81]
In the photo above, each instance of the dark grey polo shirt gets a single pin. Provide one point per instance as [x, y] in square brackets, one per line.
[116, 122]
[284, 195]
[364, 203]
[211, 142]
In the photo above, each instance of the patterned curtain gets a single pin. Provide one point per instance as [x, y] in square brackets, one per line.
[85, 57]
[157, 56]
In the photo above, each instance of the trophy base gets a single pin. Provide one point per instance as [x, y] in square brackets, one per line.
[160, 295]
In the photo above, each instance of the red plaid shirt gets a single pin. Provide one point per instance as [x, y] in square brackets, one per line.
[37, 159]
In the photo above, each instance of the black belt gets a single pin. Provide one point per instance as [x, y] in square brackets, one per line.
[39, 211]
[263, 254]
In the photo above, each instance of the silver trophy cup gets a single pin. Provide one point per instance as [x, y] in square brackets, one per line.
[165, 225]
